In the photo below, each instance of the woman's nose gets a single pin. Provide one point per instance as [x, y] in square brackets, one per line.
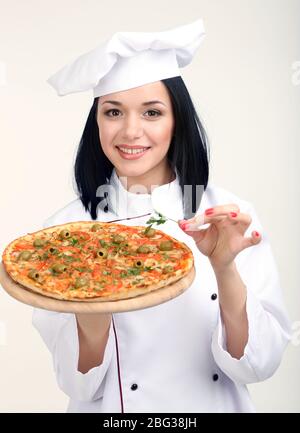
[132, 128]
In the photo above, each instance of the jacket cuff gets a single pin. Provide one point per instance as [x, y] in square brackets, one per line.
[241, 370]
[79, 386]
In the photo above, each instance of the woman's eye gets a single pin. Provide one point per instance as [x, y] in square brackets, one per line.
[153, 111]
[109, 111]
[113, 110]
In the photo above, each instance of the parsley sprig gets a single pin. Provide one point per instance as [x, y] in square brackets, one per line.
[160, 220]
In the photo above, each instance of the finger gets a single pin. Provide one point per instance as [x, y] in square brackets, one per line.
[198, 234]
[240, 218]
[231, 207]
[216, 212]
[202, 219]
[199, 220]
[199, 226]
[253, 240]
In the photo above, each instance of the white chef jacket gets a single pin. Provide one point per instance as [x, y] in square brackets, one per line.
[174, 354]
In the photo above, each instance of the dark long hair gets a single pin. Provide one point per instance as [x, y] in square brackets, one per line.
[188, 153]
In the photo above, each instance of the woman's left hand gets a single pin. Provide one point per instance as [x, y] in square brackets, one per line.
[224, 238]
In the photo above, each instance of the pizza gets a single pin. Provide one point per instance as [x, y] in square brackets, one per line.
[96, 261]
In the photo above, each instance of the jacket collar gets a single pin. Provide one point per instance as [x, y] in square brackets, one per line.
[166, 199]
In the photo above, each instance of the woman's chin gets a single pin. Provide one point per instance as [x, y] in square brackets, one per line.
[131, 171]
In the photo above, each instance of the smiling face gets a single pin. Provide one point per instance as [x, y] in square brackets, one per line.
[131, 119]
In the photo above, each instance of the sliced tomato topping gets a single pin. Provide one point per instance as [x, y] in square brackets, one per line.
[81, 235]
[153, 273]
[157, 257]
[23, 246]
[114, 287]
[41, 265]
[97, 271]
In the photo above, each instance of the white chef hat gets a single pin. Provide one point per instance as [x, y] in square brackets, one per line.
[130, 59]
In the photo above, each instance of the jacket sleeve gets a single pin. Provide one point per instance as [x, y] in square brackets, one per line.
[269, 329]
[59, 332]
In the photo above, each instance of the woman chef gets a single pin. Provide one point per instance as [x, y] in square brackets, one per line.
[143, 141]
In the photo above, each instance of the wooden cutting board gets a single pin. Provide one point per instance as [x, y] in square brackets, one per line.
[151, 299]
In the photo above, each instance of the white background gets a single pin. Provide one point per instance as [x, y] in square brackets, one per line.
[245, 83]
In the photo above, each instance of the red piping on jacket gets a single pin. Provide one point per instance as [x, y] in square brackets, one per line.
[118, 363]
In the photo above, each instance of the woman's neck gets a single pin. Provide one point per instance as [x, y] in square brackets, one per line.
[154, 177]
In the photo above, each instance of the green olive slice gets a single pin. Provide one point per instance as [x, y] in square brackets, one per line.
[59, 268]
[167, 269]
[102, 253]
[149, 232]
[80, 282]
[143, 249]
[39, 243]
[64, 234]
[166, 246]
[33, 274]
[118, 239]
[95, 227]
[25, 255]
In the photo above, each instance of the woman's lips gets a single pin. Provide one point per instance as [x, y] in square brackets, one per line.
[132, 155]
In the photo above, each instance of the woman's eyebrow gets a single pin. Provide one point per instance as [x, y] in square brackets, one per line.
[144, 103]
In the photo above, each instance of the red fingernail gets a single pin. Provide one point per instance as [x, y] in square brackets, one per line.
[233, 214]
[256, 234]
[209, 211]
[183, 226]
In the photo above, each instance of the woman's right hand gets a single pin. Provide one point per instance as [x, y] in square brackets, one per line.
[93, 331]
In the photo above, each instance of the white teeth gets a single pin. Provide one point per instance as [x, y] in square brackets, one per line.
[132, 151]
